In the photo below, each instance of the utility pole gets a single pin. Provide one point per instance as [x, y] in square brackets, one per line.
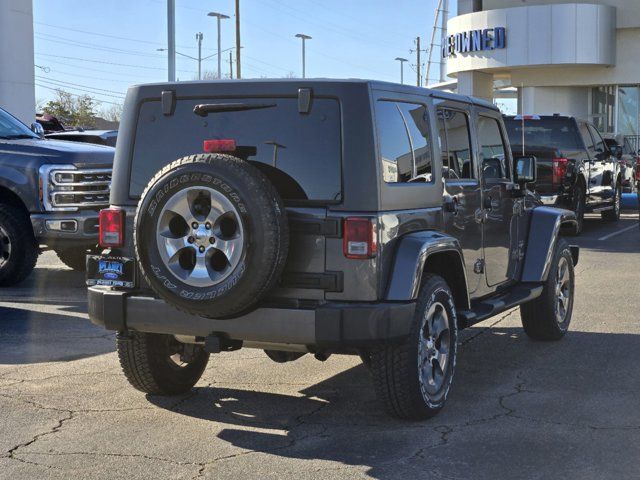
[230, 64]
[401, 60]
[171, 39]
[419, 64]
[219, 16]
[199, 37]
[418, 52]
[304, 60]
[238, 73]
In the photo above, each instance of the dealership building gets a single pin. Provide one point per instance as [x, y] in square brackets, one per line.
[581, 59]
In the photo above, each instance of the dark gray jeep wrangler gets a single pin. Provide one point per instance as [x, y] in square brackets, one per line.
[321, 217]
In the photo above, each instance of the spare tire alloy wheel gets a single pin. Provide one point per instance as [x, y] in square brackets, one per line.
[200, 236]
[211, 235]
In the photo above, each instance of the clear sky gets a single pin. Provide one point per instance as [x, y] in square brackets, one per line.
[100, 47]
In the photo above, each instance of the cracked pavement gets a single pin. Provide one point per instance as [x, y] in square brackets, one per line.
[518, 409]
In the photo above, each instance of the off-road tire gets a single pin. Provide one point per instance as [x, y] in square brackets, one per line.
[146, 361]
[265, 234]
[579, 204]
[394, 367]
[75, 258]
[24, 248]
[539, 315]
[613, 215]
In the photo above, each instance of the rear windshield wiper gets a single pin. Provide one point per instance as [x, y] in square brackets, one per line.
[205, 109]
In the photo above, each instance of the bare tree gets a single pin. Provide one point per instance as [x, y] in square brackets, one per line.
[113, 113]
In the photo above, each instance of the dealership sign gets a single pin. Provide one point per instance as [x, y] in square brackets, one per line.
[474, 41]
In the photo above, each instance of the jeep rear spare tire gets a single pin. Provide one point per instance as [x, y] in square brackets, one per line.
[211, 235]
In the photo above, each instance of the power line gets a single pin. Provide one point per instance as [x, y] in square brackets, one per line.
[73, 74]
[302, 15]
[38, 77]
[109, 63]
[84, 67]
[75, 95]
[61, 86]
[93, 46]
[117, 37]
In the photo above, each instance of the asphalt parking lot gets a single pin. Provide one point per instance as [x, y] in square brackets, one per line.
[519, 409]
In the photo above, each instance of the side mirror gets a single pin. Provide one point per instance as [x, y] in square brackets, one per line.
[37, 129]
[525, 170]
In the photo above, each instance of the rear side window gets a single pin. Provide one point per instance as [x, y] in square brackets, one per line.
[405, 143]
[303, 152]
[455, 144]
[492, 150]
[556, 133]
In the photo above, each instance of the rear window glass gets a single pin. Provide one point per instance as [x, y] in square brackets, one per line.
[558, 133]
[306, 147]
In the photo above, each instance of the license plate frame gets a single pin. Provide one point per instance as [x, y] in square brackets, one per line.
[111, 271]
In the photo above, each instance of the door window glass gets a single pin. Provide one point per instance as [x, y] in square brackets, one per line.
[405, 146]
[457, 161]
[492, 149]
[395, 148]
[415, 117]
[588, 140]
[599, 142]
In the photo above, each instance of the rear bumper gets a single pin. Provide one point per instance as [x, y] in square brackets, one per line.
[330, 325]
[53, 228]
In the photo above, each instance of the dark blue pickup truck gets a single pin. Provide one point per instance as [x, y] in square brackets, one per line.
[50, 195]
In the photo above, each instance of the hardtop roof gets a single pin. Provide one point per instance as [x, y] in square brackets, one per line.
[310, 82]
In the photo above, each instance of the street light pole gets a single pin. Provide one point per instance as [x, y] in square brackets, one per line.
[304, 60]
[199, 37]
[238, 73]
[171, 39]
[219, 16]
[401, 60]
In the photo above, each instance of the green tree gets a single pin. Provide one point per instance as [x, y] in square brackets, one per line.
[73, 110]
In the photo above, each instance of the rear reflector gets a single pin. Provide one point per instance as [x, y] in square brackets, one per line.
[111, 227]
[559, 170]
[359, 238]
[213, 146]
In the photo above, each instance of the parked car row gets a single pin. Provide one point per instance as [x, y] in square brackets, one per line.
[576, 168]
[50, 195]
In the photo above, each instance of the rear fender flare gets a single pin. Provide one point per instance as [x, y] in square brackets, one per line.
[411, 258]
[544, 231]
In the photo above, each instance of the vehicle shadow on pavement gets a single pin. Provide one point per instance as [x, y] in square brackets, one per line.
[510, 395]
[30, 336]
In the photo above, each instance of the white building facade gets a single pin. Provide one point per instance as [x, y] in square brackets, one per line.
[580, 59]
[17, 90]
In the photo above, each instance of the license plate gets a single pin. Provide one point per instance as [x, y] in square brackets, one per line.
[110, 271]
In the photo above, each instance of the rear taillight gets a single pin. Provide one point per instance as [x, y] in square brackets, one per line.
[559, 171]
[360, 239]
[221, 145]
[111, 227]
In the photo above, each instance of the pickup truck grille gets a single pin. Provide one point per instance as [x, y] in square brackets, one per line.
[70, 189]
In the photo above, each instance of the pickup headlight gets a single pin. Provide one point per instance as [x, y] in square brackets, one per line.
[65, 188]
